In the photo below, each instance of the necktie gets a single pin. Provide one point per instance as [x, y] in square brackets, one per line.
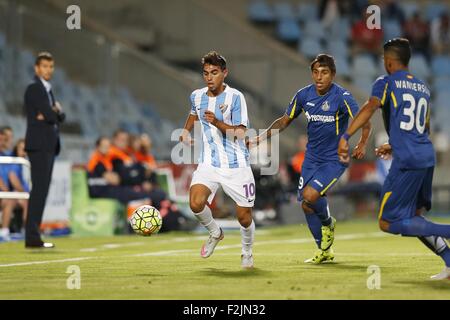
[52, 98]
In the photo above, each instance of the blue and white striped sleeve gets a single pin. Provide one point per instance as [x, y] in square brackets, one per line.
[239, 114]
[192, 98]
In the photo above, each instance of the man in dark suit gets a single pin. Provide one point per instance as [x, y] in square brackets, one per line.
[44, 114]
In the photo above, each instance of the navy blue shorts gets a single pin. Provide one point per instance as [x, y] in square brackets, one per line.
[405, 191]
[320, 176]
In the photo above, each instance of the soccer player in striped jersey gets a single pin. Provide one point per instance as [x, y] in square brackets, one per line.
[224, 160]
[327, 107]
[405, 103]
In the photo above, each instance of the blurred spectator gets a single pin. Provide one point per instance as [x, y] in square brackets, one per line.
[417, 31]
[105, 183]
[390, 10]
[130, 172]
[295, 165]
[9, 136]
[366, 40]
[345, 8]
[17, 180]
[143, 152]
[329, 12]
[440, 34]
[7, 205]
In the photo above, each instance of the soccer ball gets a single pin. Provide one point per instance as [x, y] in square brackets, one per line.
[146, 220]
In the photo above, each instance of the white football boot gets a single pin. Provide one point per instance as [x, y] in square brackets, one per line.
[210, 245]
[247, 261]
[443, 275]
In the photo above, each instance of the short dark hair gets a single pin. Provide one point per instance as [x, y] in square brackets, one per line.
[119, 131]
[99, 140]
[324, 60]
[215, 59]
[5, 128]
[43, 56]
[401, 48]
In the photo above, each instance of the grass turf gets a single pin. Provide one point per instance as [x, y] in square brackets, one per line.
[168, 266]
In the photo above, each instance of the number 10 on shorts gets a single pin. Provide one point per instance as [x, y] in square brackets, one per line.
[249, 190]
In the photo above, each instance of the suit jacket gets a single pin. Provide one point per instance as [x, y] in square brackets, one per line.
[42, 135]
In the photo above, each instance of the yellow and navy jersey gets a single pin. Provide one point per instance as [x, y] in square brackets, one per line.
[327, 117]
[405, 102]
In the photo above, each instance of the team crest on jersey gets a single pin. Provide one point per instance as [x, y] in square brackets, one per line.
[325, 106]
[223, 108]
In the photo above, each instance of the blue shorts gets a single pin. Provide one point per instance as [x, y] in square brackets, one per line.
[319, 176]
[405, 191]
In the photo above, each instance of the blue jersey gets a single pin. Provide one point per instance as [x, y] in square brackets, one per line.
[405, 102]
[327, 117]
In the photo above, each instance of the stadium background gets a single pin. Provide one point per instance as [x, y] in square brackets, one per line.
[135, 62]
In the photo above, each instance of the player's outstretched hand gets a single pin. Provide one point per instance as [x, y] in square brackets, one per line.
[252, 142]
[359, 151]
[343, 151]
[384, 151]
[210, 117]
[186, 139]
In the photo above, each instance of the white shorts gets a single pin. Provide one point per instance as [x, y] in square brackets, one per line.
[238, 183]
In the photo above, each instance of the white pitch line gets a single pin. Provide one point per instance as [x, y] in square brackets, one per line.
[171, 252]
[270, 242]
[44, 262]
[161, 253]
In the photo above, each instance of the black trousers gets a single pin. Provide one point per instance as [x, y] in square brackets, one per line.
[41, 175]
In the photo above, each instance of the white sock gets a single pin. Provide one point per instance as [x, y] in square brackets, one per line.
[4, 231]
[248, 236]
[206, 219]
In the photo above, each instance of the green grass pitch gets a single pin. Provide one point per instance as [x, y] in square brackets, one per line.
[168, 266]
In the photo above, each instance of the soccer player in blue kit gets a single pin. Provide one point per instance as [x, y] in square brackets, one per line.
[404, 101]
[327, 107]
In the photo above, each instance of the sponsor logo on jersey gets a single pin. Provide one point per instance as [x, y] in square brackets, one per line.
[318, 117]
[310, 104]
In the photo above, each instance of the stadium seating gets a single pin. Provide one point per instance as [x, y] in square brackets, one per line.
[307, 11]
[309, 47]
[363, 66]
[288, 30]
[260, 11]
[391, 29]
[440, 66]
[419, 67]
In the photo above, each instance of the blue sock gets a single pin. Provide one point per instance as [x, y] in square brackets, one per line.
[315, 226]
[419, 226]
[445, 255]
[320, 207]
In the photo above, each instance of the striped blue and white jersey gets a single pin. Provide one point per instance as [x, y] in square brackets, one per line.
[231, 108]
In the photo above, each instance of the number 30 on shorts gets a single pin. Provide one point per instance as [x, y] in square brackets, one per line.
[249, 190]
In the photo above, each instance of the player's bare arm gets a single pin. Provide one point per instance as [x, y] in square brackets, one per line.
[361, 119]
[276, 127]
[15, 182]
[226, 129]
[360, 149]
[185, 135]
